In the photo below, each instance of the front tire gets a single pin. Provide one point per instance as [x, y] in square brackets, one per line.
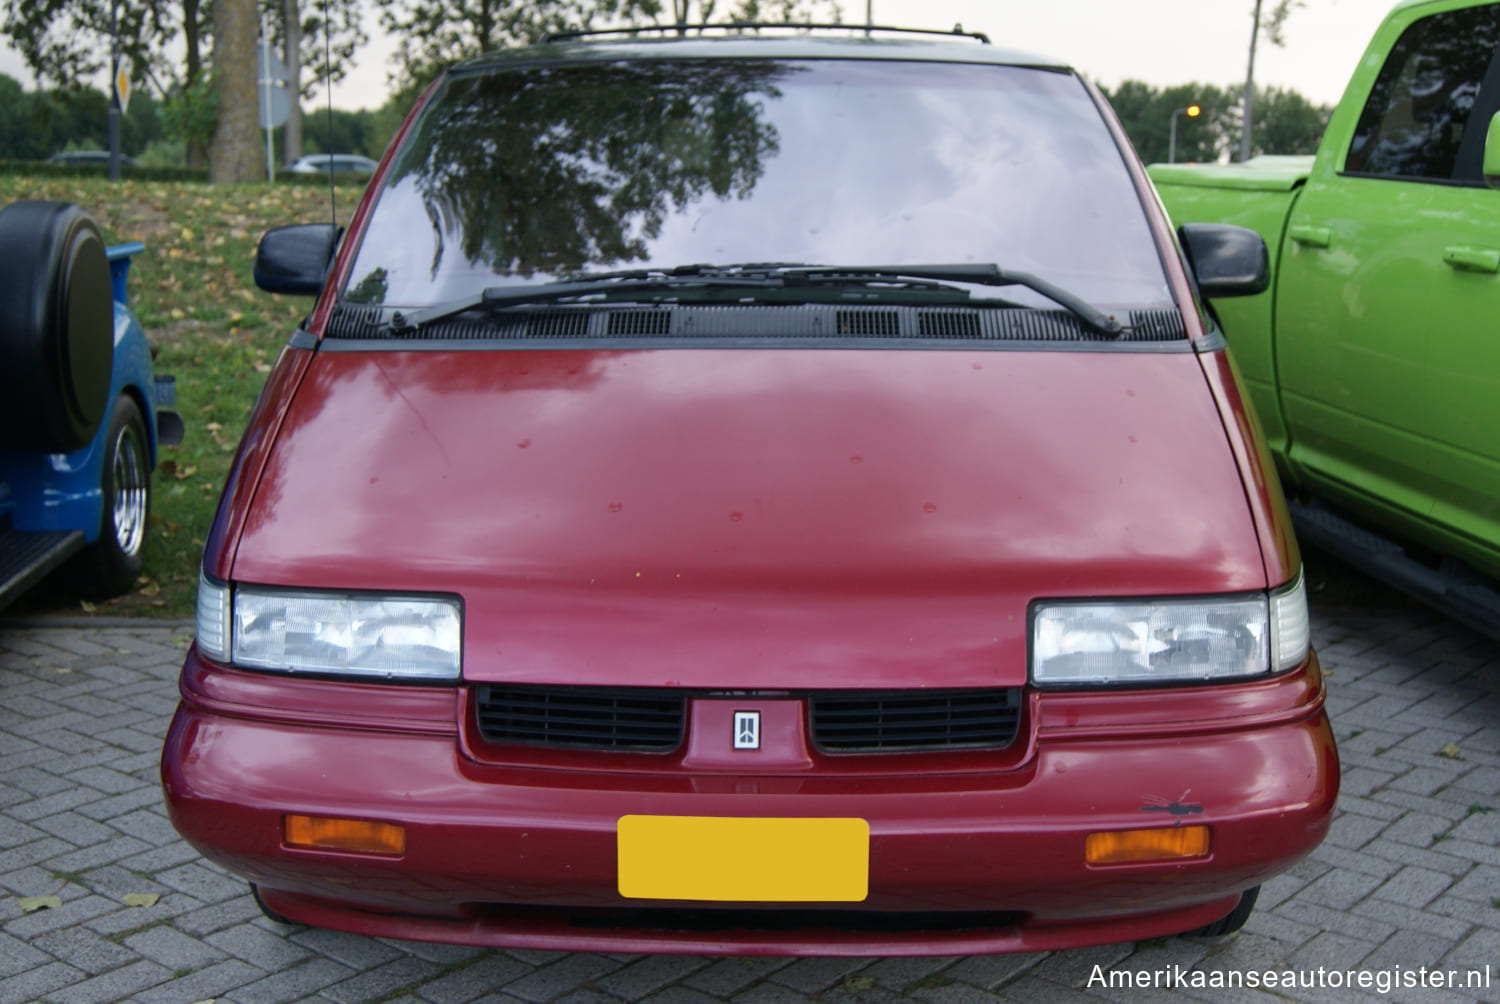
[110, 565]
[1233, 922]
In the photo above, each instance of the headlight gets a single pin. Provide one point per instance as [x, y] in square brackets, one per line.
[341, 634]
[1142, 642]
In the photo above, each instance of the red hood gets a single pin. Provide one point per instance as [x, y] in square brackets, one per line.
[760, 518]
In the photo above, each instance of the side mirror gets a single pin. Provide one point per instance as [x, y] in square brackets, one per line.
[1228, 260]
[295, 259]
[1492, 153]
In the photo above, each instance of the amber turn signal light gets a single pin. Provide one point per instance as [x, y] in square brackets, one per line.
[1115, 847]
[326, 833]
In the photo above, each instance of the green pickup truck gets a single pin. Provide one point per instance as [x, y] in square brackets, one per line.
[1373, 359]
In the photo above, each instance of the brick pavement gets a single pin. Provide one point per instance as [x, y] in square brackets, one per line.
[1409, 877]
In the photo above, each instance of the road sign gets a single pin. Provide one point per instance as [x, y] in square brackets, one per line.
[122, 86]
[271, 80]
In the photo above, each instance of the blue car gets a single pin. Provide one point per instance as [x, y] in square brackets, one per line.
[82, 415]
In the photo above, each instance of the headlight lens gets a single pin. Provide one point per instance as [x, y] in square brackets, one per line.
[1142, 642]
[381, 637]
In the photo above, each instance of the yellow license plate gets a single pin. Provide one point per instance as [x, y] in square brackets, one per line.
[714, 859]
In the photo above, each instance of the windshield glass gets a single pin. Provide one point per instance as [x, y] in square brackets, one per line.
[538, 173]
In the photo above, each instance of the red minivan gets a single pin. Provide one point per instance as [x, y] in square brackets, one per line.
[755, 492]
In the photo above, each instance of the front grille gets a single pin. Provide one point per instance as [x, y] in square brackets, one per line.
[643, 720]
[902, 720]
[653, 720]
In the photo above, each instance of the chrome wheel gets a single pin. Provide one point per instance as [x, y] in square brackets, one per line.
[130, 490]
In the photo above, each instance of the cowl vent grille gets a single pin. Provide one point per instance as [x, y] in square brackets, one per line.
[815, 325]
[886, 322]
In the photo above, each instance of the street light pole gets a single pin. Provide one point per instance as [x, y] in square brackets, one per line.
[869, 15]
[1192, 112]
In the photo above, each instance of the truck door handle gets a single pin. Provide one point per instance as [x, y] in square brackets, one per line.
[1471, 259]
[1313, 237]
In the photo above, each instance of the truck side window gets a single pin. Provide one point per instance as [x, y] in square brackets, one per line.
[1413, 123]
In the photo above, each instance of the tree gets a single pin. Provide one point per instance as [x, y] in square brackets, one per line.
[1286, 122]
[306, 41]
[536, 177]
[1146, 114]
[234, 155]
[64, 42]
[440, 32]
[1274, 26]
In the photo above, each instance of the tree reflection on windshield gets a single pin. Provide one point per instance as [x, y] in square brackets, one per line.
[556, 169]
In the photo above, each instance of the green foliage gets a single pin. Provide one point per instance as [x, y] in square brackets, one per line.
[341, 132]
[65, 41]
[1283, 121]
[441, 32]
[191, 113]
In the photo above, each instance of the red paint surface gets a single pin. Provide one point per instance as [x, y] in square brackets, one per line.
[695, 517]
[988, 833]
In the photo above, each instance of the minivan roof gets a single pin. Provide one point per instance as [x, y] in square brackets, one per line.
[797, 43]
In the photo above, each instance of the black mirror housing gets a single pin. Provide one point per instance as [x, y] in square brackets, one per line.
[1227, 260]
[296, 259]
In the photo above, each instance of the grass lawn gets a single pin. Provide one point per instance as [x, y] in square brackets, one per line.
[215, 331]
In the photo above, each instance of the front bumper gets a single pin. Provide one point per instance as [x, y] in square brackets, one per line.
[965, 855]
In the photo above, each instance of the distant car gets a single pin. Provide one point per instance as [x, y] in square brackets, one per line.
[345, 165]
[81, 412]
[755, 494]
[99, 157]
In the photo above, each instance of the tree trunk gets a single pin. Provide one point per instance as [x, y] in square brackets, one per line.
[235, 155]
[197, 153]
[291, 51]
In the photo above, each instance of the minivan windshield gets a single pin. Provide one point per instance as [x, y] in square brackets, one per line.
[547, 172]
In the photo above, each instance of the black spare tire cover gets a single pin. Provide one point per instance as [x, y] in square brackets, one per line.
[57, 341]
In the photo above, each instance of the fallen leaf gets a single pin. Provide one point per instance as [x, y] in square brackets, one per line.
[150, 589]
[141, 898]
[87, 607]
[858, 981]
[31, 904]
[1450, 751]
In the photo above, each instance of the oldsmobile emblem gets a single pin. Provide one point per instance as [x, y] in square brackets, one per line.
[747, 730]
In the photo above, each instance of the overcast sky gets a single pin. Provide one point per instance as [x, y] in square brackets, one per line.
[1162, 42]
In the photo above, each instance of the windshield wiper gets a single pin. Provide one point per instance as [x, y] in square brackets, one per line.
[647, 283]
[985, 275]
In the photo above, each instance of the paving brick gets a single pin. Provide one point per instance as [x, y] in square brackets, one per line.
[16, 956]
[1482, 884]
[212, 983]
[353, 950]
[992, 971]
[218, 916]
[172, 948]
[812, 975]
[382, 981]
[649, 974]
[83, 949]
[118, 984]
[474, 980]
[557, 978]
[207, 884]
[71, 912]
[260, 948]
[291, 983]
[38, 984]
[726, 976]
[1414, 887]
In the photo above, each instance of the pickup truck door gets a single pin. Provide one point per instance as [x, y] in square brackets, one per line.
[1387, 298]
